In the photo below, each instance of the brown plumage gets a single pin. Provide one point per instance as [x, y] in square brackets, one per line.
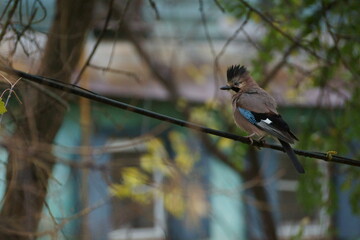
[255, 111]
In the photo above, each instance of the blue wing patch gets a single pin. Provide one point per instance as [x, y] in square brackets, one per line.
[248, 115]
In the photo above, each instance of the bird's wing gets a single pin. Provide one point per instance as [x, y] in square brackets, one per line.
[259, 108]
[257, 100]
[271, 123]
[274, 125]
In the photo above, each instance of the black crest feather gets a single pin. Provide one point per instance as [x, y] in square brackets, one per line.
[235, 71]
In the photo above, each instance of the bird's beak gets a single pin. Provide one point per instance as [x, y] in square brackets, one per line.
[225, 87]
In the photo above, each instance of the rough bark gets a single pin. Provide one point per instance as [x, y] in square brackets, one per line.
[28, 171]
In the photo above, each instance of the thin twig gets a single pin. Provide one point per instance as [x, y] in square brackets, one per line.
[9, 20]
[233, 36]
[102, 34]
[154, 7]
[227, 43]
[123, 72]
[21, 34]
[292, 48]
[282, 32]
[118, 28]
[61, 224]
[222, 9]
[165, 75]
[278, 66]
[10, 90]
[76, 90]
[209, 40]
[206, 29]
[5, 9]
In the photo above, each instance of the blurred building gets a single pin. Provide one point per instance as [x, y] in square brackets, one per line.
[178, 46]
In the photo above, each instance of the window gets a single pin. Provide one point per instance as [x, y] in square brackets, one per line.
[291, 213]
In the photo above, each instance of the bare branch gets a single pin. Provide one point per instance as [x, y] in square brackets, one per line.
[9, 19]
[204, 22]
[102, 34]
[218, 4]
[288, 36]
[233, 36]
[227, 43]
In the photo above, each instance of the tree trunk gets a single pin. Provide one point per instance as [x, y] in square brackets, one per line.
[28, 167]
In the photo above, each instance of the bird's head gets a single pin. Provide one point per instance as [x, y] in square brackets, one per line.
[237, 77]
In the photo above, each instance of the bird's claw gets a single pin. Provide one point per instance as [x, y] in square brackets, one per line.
[249, 137]
[262, 141]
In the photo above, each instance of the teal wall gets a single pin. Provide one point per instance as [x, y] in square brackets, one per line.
[227, 211]
[62, 199]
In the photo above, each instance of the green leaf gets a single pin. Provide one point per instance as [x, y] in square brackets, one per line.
[354, 199]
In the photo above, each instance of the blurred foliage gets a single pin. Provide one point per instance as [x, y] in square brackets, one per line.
[156, 158]
[133, 185]
[184, 158]
[319, 40]
[175, 190]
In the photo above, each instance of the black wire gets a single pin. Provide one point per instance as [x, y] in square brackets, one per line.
[79, 91]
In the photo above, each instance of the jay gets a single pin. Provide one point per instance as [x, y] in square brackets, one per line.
[255, 111]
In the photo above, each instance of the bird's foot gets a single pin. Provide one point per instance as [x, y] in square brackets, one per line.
[250, 138]
[262, 140]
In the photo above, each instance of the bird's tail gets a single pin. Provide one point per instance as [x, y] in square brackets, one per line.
[290, 152]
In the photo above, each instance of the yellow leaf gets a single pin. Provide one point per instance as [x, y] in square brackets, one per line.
[133, 177]
[156, 158]
[119, 190]
[134, 186]
[152, 163]
[174, 202]
[212, 104]
[2, 107]
[156, 148]
[225, 143]
[203, 115]
[147, 162]
[182, 103]
[184, 162]
[195, 74]
[184, 158]
[256, 18]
